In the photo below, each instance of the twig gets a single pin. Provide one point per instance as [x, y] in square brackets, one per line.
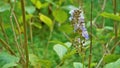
[104, 4]
[59, 64]
[100, 61]
[7, 47]
[67, 36]
[14, 34]
[19, 31]
[25, 32]
[106, 47]
[15, 37]
[18, 26]
[3, 31]
[113, 48]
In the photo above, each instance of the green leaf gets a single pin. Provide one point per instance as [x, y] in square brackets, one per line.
[46, 20]
[111, 58]
[12, 64]
[78, 65]
[44, 5]
[69, 54]
[51, 2]
[69, 7]
[67, 28]
[60, 16]
[110, 16]
[37, 3]
[37, 25]
[60, 50]
[115, 64]
[108, 27]
[45, 63]
[67, 44]
[34, 60]
[4, 7]
[7, 60]
[30, 9]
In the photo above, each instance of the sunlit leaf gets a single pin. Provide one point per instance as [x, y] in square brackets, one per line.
[110, 16]
[108, 27]
[68, 44]
[59, 42]
[67, 28]
[37, 25]
[30, 9]
[60, 50]
[37, 3]
[34, 60]
[44, 5]
[115, 64]
[46, 20]
[60, 16]
[69, 7]
[78, 65]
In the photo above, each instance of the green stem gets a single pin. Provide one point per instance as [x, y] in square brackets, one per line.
[90, 56]
[18, 26]
[3, 31]
[46, 50]
[31, 36]
[25, 33]
[7, 47]
[15, 37]
[115, 24]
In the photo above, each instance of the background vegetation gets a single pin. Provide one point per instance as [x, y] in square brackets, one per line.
[38, 34]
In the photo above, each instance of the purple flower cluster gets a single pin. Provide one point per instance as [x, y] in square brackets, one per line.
[77, 19]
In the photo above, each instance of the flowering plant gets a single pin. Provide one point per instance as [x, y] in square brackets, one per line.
[78, 23]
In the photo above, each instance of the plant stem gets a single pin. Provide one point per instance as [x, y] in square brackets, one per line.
[31, 36]
[100, 61]
[115, 24]
[113, 48]
[15, 37]
[7, 47]
[19, 31]
[90, 56]
[19, 48]
[18, 26]
[46, 49]
[25, 32]
[83, 58]
[3, 31]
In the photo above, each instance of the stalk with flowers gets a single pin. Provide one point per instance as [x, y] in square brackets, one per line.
[78, 23]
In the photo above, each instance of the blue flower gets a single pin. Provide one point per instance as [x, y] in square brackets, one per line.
[77, 17]
[85, 34]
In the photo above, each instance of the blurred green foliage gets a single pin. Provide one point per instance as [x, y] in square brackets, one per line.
[52, 29]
